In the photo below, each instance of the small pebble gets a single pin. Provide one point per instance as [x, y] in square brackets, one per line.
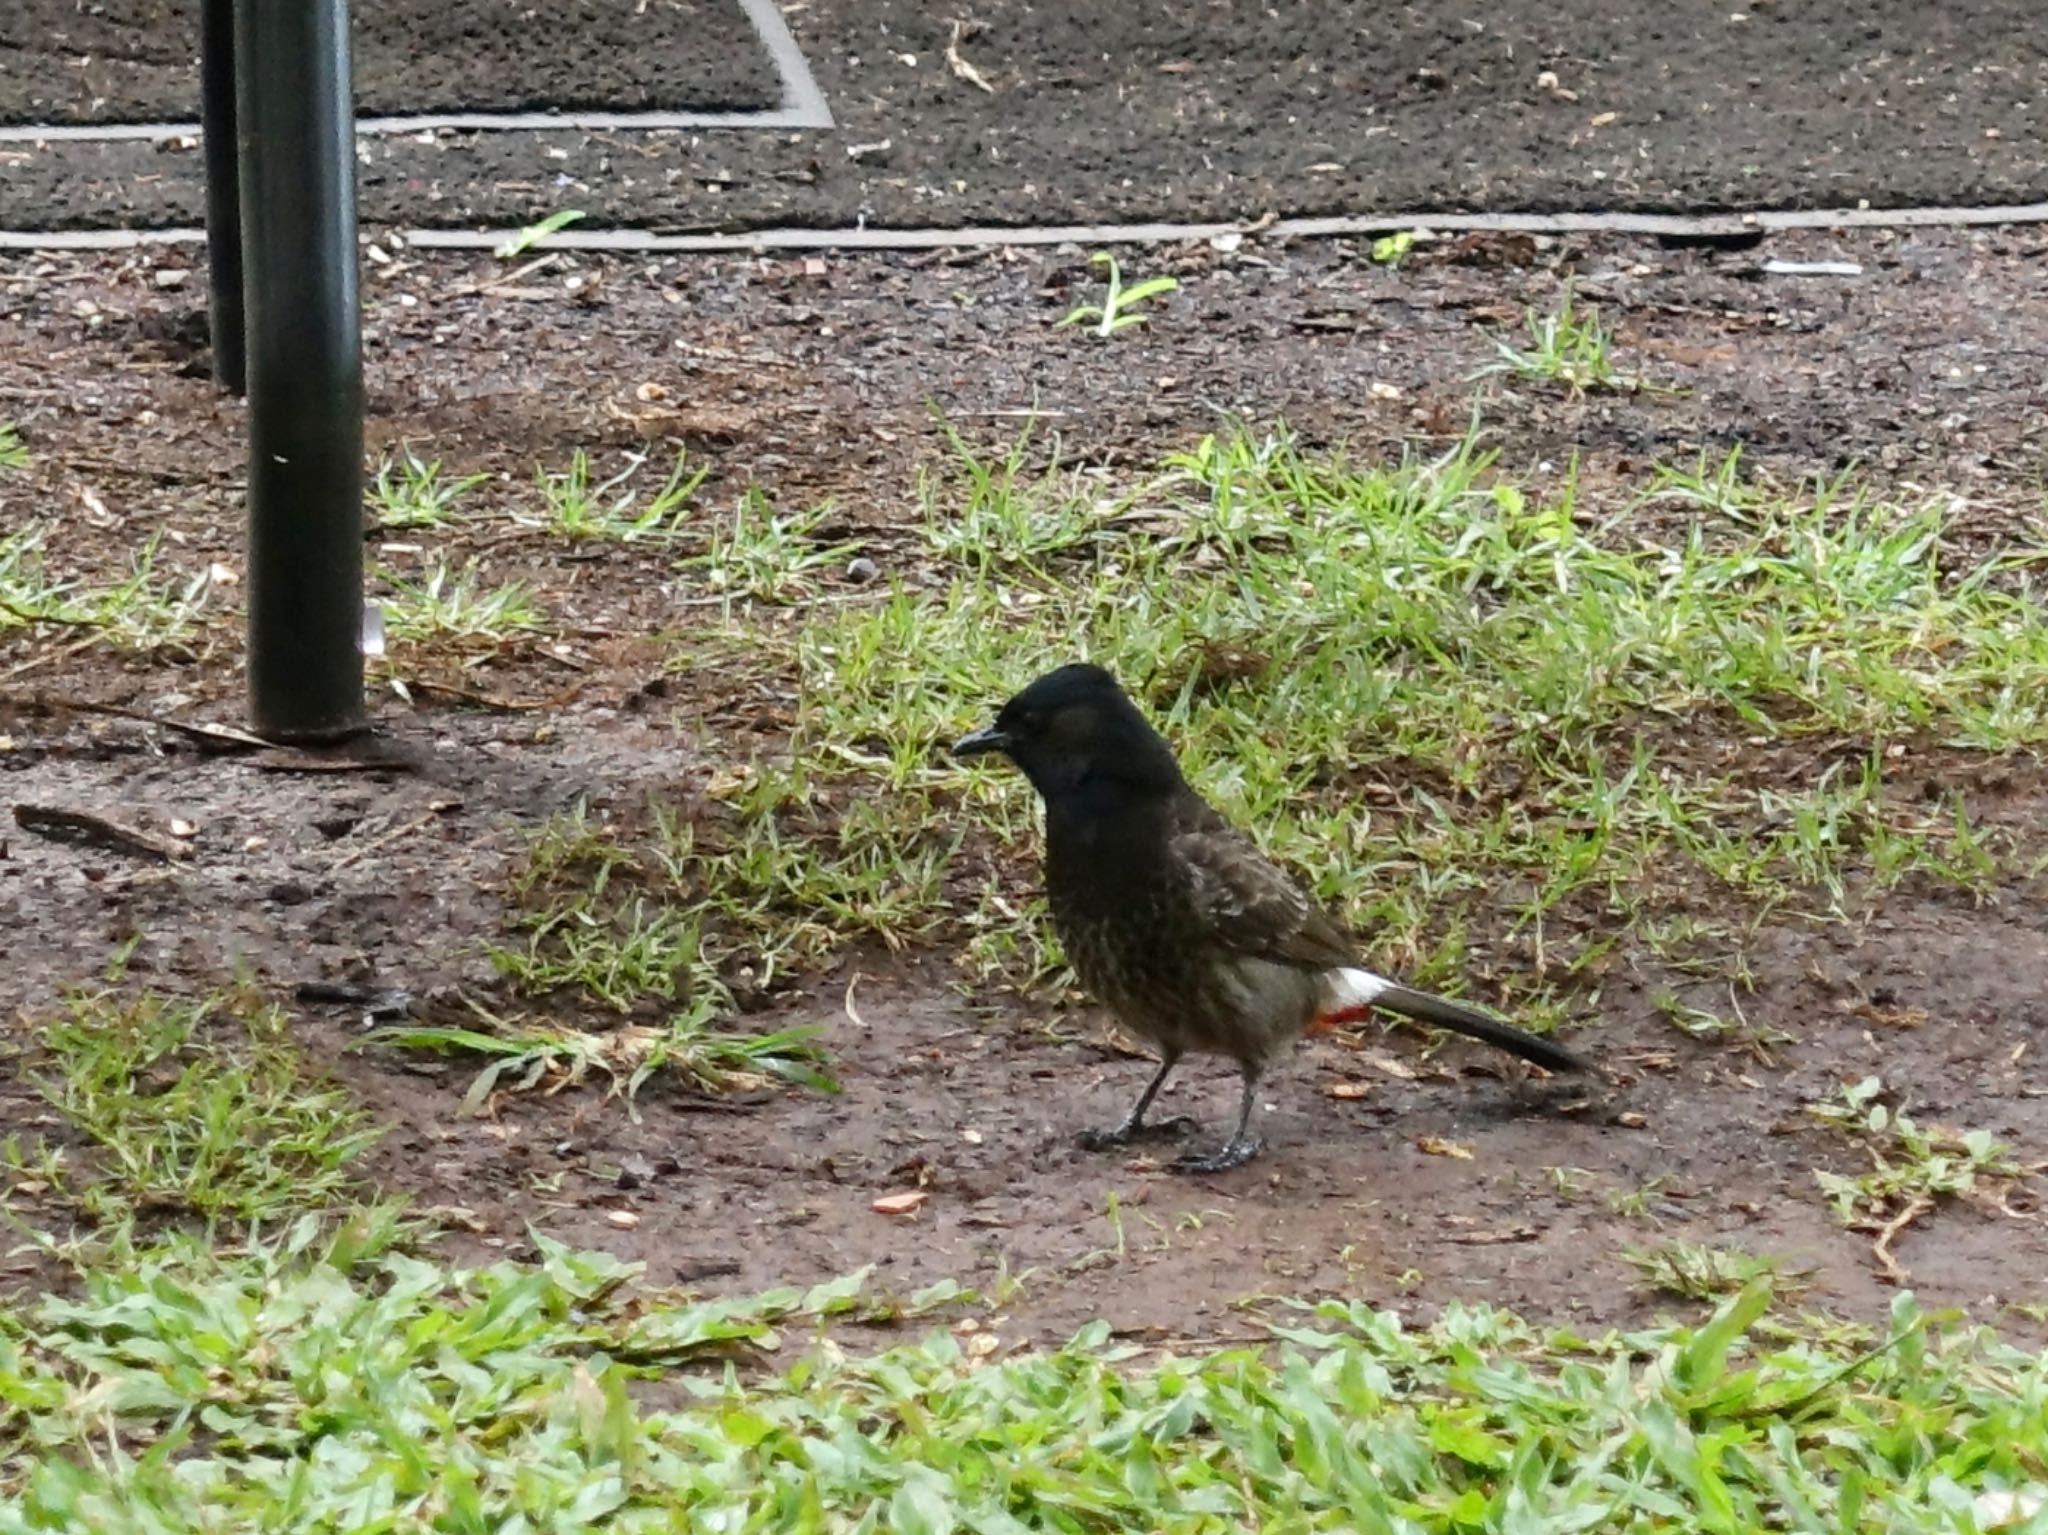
[862, 569]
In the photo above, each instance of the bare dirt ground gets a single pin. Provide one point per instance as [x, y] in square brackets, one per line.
[124, 61]
[815, 380]
[1021, 112]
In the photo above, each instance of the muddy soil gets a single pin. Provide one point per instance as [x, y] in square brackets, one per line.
[815, 381]
[1031, 111]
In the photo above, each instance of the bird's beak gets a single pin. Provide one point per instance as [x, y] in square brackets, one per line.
[988, 739]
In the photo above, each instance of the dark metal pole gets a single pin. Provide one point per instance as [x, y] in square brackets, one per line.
[297, 142]
[223, 191]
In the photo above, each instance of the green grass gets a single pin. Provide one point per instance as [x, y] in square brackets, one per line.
[759, 554]
[1568, 346]
[140, 612]
[456, 609]
[1695, 1272]
[536, 233]
[669, 910]
[13, 452]
[574, 509]
[334, 1383]
[1440, 692]
[411, 492]
[1507, 732]
[327, 1369]
[999, 513]
[1912, 1167]
[189, 1108]
[528, 1055]
[654, 924]
[617, 953]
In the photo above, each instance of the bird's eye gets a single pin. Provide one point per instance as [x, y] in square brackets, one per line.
[1024, 722]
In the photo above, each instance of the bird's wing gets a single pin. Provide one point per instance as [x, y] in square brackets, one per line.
[1248, 903]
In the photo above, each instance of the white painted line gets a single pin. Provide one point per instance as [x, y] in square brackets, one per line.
[803, 106]
[639, 240]
[463, 122]
[57, 133]
[96, 239]
[801, 98]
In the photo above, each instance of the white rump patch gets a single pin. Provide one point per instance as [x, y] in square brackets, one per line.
[1351, 988]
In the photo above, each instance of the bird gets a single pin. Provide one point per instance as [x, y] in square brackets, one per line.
[1175, 919]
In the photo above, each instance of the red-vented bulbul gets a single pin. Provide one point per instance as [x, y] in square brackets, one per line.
[1174, 919]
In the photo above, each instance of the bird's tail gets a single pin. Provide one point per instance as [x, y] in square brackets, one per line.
[1350, 989]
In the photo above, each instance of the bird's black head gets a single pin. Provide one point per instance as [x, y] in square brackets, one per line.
[1075, 727]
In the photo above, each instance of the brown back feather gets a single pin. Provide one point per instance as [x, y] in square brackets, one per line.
[1248, 904]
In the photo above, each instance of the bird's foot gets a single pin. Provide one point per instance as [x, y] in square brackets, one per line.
[1134, 1130]
[1235, 1153]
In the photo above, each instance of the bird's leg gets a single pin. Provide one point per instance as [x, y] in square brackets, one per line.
[1242, 1145]
[1133, 1124]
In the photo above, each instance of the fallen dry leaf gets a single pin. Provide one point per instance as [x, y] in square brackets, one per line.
[1437, 1146]
[907, 1203]
[1347, 1090]
[1632, 1120]
[625, 1220]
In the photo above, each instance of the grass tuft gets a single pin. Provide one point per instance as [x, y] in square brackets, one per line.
[137, 613]
[574, 509]
[1702, 1273]
[454, 608]
[1911, 1166]
[193, 1108]
[534, 1055]
[1568, 346]
[410, 492]
[767, 556]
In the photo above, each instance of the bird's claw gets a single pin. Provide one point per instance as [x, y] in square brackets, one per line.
[1234, 1153]
[1125, 1133]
